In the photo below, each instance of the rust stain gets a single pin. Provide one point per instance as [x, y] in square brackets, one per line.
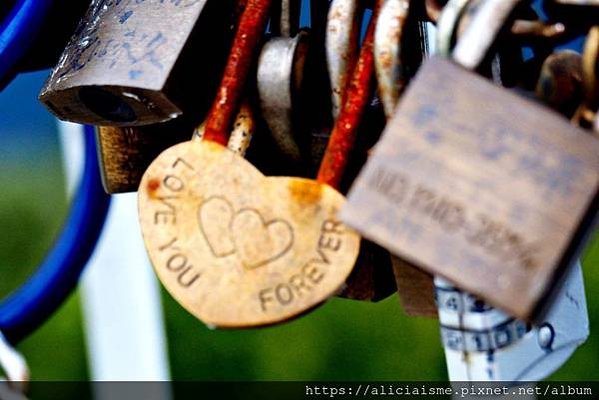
[152, 187]
[305, 192]
[387, 60]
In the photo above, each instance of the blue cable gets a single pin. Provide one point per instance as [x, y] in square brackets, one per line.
[27, 308]
[34, 302]
[19, 29]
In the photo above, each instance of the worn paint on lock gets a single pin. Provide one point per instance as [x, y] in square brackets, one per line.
[92, 49]
[242, 132]
[498, 211]
[120, 67]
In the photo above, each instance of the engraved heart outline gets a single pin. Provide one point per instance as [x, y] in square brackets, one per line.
[221, 246]
[266, 225]
[225, 242]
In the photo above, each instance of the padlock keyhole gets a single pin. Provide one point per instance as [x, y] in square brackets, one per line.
[107, 105]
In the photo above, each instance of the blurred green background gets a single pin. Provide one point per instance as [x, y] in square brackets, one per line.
[342, 340]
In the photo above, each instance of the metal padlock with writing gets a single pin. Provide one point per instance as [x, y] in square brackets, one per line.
[476, 184]
[137, 63]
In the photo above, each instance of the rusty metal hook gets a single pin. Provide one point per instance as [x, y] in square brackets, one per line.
[387, 51]
[343, 29]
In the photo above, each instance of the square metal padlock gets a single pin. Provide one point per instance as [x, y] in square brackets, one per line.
[136, 63]
[473, 183]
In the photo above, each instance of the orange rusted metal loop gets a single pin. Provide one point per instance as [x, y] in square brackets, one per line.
[357, 93]
[239, 64]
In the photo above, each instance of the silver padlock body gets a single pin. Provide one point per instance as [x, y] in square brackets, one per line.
[137, 63]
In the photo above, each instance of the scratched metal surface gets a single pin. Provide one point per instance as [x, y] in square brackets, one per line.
[133, 63]
[138, 42]
[493, 210]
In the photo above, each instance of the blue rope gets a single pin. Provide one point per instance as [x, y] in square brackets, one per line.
[27, 308]
[18, 30]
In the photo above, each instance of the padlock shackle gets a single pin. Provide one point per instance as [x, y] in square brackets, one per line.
[279, 76]
[35, 301]
[18, 30]
[480, 35]
[290, 17]
[341, 46]
[241, 59]
[355, 99]
[590, 65]
[447, 24]
[388, 35]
